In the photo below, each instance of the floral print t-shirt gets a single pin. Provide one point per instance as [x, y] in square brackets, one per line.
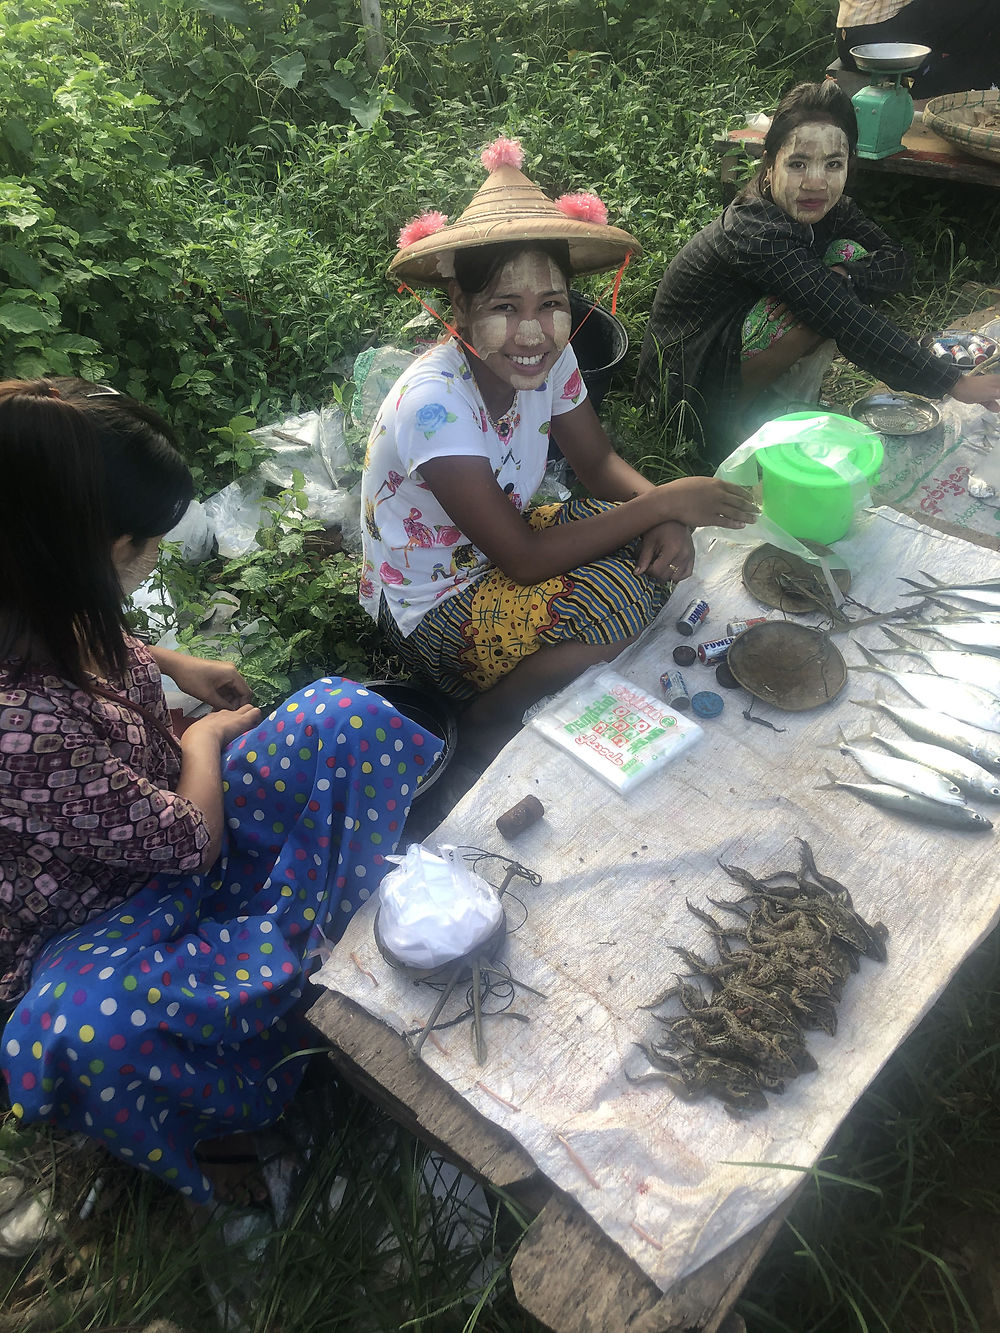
[413, 553]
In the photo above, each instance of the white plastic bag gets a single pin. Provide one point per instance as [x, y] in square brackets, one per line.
[235, 514]
[193, 534]
[314, 445]
[434, 909]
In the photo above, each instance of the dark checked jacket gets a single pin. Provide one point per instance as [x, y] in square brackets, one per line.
[691, 349]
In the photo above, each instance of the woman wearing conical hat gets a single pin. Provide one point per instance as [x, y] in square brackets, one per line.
[509, 602]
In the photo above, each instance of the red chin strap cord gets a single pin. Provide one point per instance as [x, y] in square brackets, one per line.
[613, 289]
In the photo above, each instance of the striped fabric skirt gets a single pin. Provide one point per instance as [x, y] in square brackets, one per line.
[472, 639]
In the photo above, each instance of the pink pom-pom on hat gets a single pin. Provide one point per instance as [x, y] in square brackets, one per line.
[419, 227]
[502, 153]
[584, 207]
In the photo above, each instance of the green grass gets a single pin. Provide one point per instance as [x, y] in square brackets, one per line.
[896, 1232]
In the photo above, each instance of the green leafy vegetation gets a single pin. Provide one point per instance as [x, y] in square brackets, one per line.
[198, 201]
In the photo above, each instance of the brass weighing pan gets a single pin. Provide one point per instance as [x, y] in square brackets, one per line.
[790, 584]
[788, 665]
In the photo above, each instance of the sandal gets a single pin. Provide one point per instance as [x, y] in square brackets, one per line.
[236, 1175]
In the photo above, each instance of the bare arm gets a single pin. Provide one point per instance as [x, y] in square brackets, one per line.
[217, 683]
[592, 457]
[200, 781]
[983, 389]
[467, 490]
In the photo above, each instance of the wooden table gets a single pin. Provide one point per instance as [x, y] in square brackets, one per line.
[566, 1273]
[924, 154]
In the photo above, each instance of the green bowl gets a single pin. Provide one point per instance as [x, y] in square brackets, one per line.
[802, 491]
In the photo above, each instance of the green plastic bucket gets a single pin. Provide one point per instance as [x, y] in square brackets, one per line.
[802, 490]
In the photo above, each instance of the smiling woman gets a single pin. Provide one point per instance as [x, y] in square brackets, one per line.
[791, 265]
[494, 600]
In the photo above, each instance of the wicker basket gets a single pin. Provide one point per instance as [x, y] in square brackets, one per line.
[970, 120]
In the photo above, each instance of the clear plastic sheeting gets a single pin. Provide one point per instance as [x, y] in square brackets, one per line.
[235, 513]
[375, 372]
[933, 476]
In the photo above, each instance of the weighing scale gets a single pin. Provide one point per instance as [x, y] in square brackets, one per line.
[885, 109]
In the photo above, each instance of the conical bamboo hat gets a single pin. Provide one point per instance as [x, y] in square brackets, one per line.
[509, 207]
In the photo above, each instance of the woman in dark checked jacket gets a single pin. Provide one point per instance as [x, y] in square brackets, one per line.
[792, 264]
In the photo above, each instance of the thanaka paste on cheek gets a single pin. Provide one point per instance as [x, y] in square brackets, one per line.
[489, 333]
[526, 285]
[816, 143]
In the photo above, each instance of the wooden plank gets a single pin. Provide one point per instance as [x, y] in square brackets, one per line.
[924, 154]
[567, 1273]
[378, 1062]
[574, 1279]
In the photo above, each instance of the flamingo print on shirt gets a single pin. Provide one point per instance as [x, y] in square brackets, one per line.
[414, 553]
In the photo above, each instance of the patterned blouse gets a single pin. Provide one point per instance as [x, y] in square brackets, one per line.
[87, 810]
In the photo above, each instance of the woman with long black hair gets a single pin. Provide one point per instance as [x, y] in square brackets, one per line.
[160, 900]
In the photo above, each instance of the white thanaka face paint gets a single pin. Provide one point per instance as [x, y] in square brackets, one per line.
[489, 333]
[562, 326]
[522, 323]
[138, 564]
[809, 171]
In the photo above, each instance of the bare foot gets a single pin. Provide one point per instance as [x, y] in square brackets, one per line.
[232, 1164]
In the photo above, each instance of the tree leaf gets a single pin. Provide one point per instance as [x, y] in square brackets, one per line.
[340, 89]
[75, 342]
[366, 111]
[230, 11]
[21, 266]
[289, 69]
[465, 53]
[25, 318]
[18, 135]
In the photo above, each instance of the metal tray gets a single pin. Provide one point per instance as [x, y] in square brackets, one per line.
[790, 666]
[989, 332]
[896, 413]
[894, 57]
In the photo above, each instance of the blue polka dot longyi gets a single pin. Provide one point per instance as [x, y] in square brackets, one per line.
[169, 1018]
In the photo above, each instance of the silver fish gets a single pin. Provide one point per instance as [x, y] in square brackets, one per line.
[973, 668]
[972, 779]
[986, 593]
[915, 807]
[944, 694]
[981, 636]
[923, 724]
[909, 774]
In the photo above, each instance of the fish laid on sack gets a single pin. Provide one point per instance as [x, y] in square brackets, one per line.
[943, 694]
[972, 779]
[981, 636]
[924, 724]
[798, 940]
[959, 817]
[909, 774]
[973, 668]
[984, 594]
